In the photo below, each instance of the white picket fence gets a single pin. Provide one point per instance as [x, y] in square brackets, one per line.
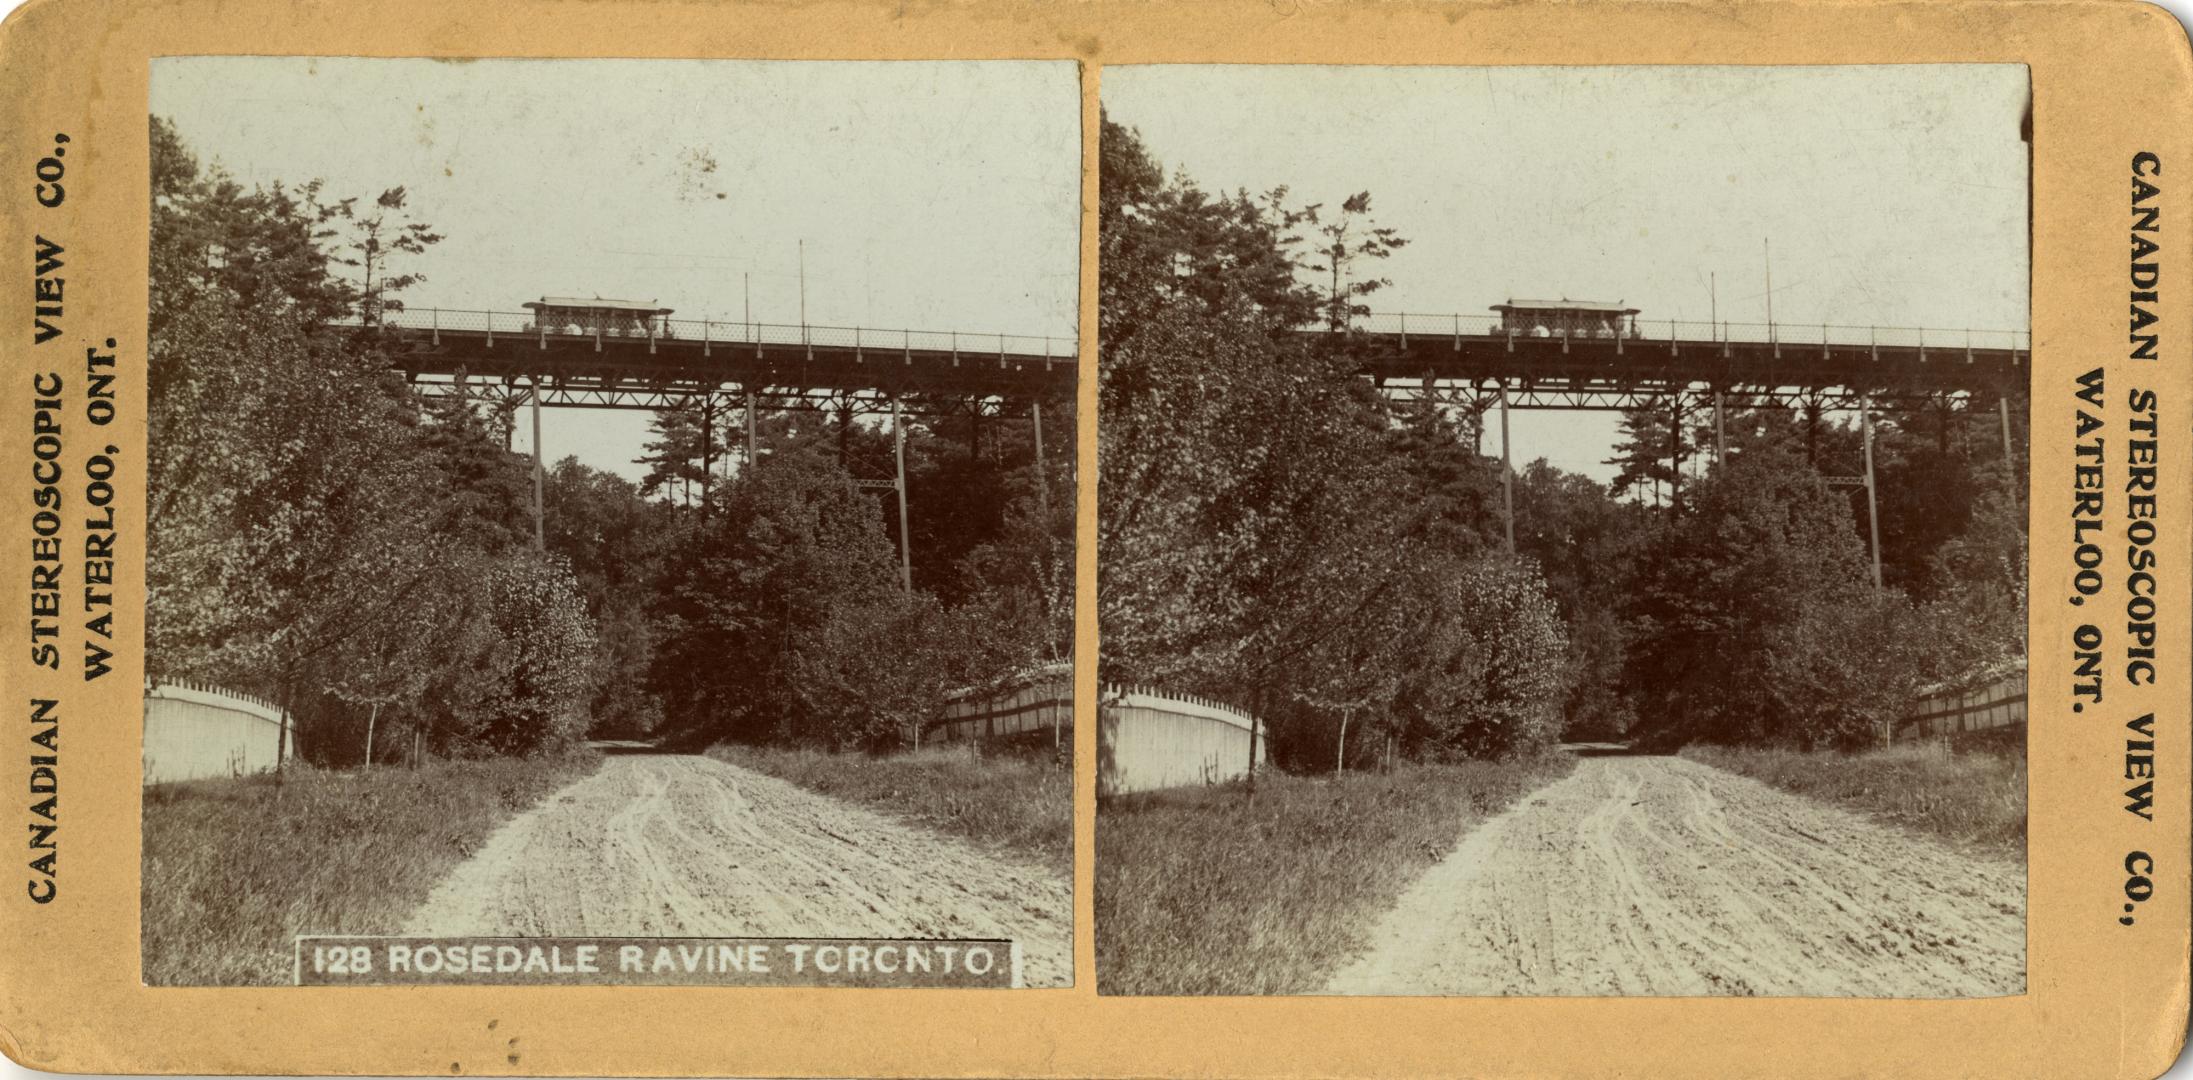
[194, 731]
[1149, 740]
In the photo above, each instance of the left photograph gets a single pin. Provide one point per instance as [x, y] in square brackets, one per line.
[610, 522]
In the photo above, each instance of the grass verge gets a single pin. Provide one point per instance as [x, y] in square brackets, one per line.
[1200, 891]
[235, 869]
[1021, 804]
[1974, 797]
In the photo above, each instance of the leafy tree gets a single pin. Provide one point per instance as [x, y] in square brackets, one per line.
[618, 545]
[378, 236]
[1347, 239]
[1588, 546]
[541, 659]
[794, 564]
[317, 532]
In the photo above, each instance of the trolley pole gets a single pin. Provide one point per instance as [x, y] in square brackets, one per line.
[898, 441]
[1873, 511]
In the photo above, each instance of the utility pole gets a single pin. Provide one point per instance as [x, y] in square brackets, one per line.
[1713, 302]
[803, 289]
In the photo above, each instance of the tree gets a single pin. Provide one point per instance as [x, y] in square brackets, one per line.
[1588, 545]
[1349, 238]
[316, 531]
[541, 661]
[617, 544]
[1720, 592]
[378, 236]
[761, 596]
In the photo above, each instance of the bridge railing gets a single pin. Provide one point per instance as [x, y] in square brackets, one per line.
[1584, 328]
[517, 324]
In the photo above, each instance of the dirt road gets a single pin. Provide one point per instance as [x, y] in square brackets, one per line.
[1661, 876]
[672, 845]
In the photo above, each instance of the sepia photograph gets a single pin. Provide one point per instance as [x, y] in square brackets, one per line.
[1563, 531]
[610, 521]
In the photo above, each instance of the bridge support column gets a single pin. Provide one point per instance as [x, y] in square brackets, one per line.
[708, 446]
[749, 428]
[2002, 406]
[1720, 431]
[1873, 511]
[1507, 471]
[1043, 479]
[540, 510]
[898, 445]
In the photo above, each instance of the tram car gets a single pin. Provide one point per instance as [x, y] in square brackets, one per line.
[609, 318]
[1565, 318]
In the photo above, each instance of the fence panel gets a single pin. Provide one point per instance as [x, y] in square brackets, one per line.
[1044, 703]
[1148, 740]
[193, 732]
[1999, 703]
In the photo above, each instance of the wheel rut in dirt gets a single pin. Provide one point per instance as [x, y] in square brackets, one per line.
[675, 845]
[1661, 876]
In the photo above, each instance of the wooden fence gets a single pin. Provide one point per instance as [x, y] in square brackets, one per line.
[1999, 702]
[1044, 701]
[194, 731]
[1148, 740]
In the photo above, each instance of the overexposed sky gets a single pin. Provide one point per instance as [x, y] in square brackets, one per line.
[930, 195]
[1891, 196]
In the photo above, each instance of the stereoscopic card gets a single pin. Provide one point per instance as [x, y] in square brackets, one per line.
[999, 540]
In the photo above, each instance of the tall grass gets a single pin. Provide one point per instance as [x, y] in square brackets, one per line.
[235, 869]
[1974, 796]
[1201, 891]
[1022, 804]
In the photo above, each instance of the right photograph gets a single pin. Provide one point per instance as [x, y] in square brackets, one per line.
[1563, 531]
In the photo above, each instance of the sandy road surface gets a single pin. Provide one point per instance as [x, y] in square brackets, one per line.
[1661, 876]
[671, 845]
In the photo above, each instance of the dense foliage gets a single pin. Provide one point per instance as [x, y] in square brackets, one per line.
[1276, 533]
[322, 534]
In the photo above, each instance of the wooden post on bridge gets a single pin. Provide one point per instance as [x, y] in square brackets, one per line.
[898, 442]
[540, 509]
[1507, 471]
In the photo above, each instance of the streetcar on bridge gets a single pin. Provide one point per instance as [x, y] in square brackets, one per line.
[1565, 318]
[607, 318]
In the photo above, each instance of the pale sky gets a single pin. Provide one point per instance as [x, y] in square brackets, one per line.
[930, 195]
[1891, 196]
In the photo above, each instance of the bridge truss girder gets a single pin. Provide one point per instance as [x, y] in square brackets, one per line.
[661, 395]
[1479, 395]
